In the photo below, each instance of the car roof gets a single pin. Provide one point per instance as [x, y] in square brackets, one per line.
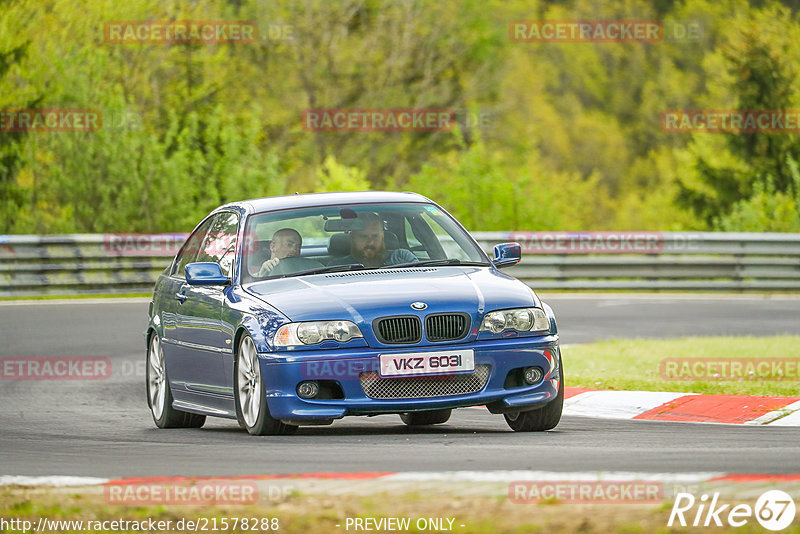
[258, 205]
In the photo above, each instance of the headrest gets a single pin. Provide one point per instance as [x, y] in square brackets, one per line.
[339, 245]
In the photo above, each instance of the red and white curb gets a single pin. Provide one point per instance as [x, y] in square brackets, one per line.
[471, 482]
[411, 476]
[683, 407]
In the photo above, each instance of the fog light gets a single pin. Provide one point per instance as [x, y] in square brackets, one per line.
[308, 390]
[532, 375]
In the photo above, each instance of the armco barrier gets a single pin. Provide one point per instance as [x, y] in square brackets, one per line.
[83, 264]
[705, 261]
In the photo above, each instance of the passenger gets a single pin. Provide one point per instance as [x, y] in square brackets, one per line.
[367, 246]
[286, 243]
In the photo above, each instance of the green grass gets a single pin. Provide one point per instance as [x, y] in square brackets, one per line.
[634, 364]
[319, 514]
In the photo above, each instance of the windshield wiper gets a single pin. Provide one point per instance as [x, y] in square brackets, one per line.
[328, 269]
[449, 261]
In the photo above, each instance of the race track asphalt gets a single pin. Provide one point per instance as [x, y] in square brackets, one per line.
[103, 428]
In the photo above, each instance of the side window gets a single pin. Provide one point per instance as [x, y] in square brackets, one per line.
[445, 240]
[219, 245]
[189, 251]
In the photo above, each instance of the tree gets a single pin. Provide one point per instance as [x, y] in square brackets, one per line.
[750, 165]
[12, 197]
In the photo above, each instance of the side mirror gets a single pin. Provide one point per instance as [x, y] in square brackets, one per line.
[506, 254]
[205, 274]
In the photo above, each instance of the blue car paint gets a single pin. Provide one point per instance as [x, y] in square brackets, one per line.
[205, 274]
[201, 332]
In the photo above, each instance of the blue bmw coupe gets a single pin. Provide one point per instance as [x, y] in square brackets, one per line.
[302, 309]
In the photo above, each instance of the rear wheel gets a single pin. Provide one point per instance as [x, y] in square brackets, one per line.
[251, 398]
[159, 396]
[540, 419]
[432, 417]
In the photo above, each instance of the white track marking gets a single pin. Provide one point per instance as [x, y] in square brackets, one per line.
[617, 404]
[55, 480]
[793, 419]
[510, 476]
[413, 476]
[769, 418]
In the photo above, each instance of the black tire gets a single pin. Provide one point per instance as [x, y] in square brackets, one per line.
[540, 419]
[166, 416]
[432, 417]
[262, 424]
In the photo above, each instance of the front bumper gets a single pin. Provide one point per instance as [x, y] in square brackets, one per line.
[282, 372]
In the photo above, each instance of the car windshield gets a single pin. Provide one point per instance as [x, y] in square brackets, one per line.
[320, 239]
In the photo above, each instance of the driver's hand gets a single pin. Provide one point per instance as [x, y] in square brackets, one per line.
[267, 266]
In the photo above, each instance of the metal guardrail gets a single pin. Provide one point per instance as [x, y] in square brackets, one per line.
[127, 263]
[83, 264]
[704, 261]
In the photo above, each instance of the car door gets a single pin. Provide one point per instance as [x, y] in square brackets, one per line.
[171, 301]
[204, 344]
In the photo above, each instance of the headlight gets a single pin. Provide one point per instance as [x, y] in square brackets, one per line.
[311, 333]
[521, 320]
[494, 322]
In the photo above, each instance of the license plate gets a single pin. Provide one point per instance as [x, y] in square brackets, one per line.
[427, 363]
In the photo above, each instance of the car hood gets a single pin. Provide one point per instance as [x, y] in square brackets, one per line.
[362, 296]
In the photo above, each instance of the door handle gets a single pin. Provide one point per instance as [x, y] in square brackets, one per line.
[181, 297]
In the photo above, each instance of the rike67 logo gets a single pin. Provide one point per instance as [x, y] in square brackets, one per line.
[774, 510]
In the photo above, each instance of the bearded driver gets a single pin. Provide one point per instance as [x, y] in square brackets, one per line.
[367, 246]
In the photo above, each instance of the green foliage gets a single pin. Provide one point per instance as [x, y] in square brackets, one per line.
[567, 135]
[332, 176]
[473, 186]
[484, 190]
[743, 179]
[767, 209]
[11, 146]
[133, 181]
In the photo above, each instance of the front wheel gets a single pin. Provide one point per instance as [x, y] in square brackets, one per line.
[432, 417]
[251, 398]
[159, 396]
[541, 419]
